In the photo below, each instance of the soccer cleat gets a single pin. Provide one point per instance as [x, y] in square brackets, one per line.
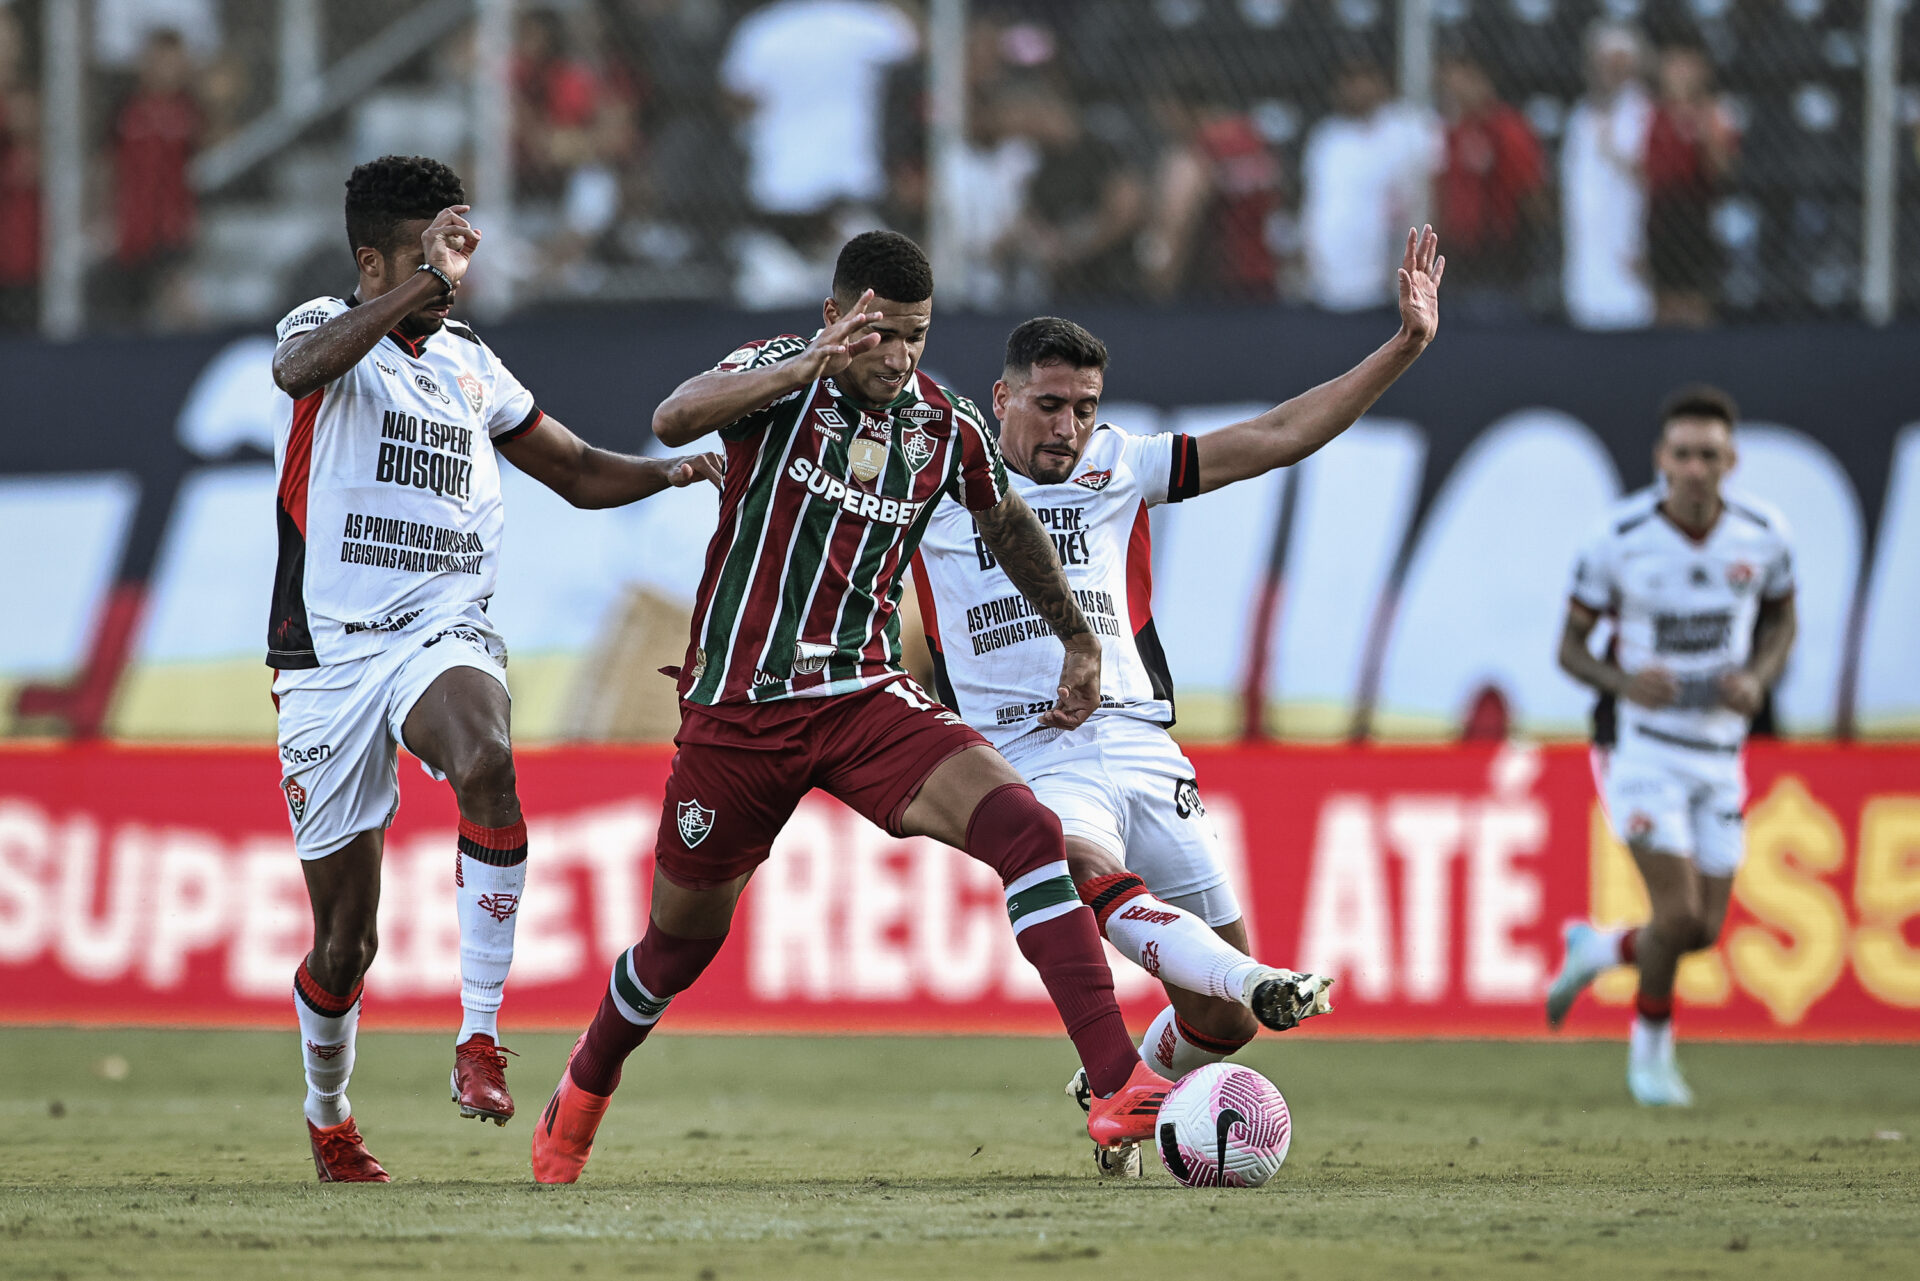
[1586, 959]
[340, 1155]
[479, 1081]
[1128, 1116]
[563, 1136]
[1121, 1162]
[1658, 1085]
[1280, 999]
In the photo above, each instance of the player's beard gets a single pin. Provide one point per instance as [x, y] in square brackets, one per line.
[422, 323]
[1048, 467]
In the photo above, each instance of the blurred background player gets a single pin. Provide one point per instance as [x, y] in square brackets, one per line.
[1699, 584]
[1138, 841]
[390, 524]
[838, 450]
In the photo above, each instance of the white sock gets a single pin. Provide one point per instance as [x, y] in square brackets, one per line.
[326, 1052]
[1600, 950]
[1650, 1042]
[1166, 1049]
[488, 895]
[1171, 943]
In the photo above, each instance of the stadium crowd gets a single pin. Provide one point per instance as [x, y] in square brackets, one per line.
[1118, 150]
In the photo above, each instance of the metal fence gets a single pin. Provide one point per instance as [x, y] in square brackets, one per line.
[176, 164]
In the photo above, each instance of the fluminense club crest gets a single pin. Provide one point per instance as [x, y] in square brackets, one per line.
[695, 820]
[916, 446]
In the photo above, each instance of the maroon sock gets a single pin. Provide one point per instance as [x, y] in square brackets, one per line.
[654, 971]
[1017, 836]
[1629, 946]
[1654, 1009]
[1211, 1044]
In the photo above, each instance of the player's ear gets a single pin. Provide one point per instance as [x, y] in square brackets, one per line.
[372, 263]
[1001, 394]
[830, 311]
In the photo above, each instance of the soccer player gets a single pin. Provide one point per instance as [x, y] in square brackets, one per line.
[838, 450]
[1141, 849]
[389, 531]
[1699, 583]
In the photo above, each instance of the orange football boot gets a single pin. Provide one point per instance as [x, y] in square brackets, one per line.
[480, 1080]
[340, 1155]
[1128, 1116]
[563, 1136]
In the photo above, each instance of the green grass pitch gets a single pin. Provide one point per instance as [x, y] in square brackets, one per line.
[761, 1157]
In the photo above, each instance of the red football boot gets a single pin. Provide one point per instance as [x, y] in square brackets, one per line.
[563, 1136]
[340, 1155]
[480, 1080]
[1129, 1115]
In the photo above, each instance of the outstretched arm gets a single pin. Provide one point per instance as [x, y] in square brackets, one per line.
[1026, 552]
[707, 402]
[1287, 433]
[307, 362]
[589, 477]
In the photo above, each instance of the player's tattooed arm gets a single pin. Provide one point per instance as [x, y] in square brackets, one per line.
[592, 478]
[1027, 554]
[1649, 687]
[1744, 689]
[1289, 432]
[307, 362]
[707, 402]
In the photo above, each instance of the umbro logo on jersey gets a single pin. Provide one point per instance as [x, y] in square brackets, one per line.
[831, 424]
[1094, 480]
[695, 821]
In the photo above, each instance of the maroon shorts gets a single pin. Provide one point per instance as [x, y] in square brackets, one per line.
[741, 768]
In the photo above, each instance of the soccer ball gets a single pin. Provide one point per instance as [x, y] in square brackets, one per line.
[1223, 1126]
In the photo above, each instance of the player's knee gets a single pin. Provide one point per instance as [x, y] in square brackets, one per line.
[1706, 933]
[1683, 928]
[346, 954]
[484, 772]
[1013, 833]
[1222, 1021]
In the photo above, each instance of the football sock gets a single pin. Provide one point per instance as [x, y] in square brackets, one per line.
[1651, 1039]
[645, 978]
[1626, 945]
[327, 1027]
[1020, 838]
[1168, 942]
[1173, 1047]
[489, 875]
[1653, 1009]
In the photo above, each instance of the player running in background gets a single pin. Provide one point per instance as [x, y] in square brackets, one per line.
[838, 451]
[389, 524]
[1699, 584]
[1141, 848]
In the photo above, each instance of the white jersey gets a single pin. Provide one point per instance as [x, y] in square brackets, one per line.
[1688, 606]
[389, 493]
[998, 664]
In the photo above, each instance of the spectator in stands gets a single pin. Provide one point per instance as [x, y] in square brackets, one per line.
[987, 182]
[810, 73]
[19, 183]
[1365, 176]
[1215, 187]
[1492, 191]
[123, 29]
[1691, 146]
[1603, 187]
[575, 132]
[1086, 205]
[155, 134]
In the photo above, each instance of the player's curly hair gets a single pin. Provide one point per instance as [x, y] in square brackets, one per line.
[1699, 400]
[384, 193]
[1045, 339]
[888, 263]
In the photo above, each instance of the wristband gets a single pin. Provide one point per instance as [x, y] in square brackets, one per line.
[445, 280]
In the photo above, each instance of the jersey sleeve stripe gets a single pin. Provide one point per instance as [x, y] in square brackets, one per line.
[526, 425]
[1185, 480]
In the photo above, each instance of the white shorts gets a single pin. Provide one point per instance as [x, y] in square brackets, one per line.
[1124, 785]
[340, 725]
[1674, 806]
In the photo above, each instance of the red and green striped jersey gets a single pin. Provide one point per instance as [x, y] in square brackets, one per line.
[825, 501]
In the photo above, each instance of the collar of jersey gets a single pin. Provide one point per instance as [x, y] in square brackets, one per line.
[412, 346]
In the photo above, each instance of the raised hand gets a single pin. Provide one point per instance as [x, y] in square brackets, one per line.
[686, 470]
[1651, 687]
[449, 242]
[834, 347]
[1741, 690]
[1420, 270]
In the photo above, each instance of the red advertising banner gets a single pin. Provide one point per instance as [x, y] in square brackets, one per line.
[159, 886]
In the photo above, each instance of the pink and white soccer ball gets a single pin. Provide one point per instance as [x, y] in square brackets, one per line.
[1223, 1126]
